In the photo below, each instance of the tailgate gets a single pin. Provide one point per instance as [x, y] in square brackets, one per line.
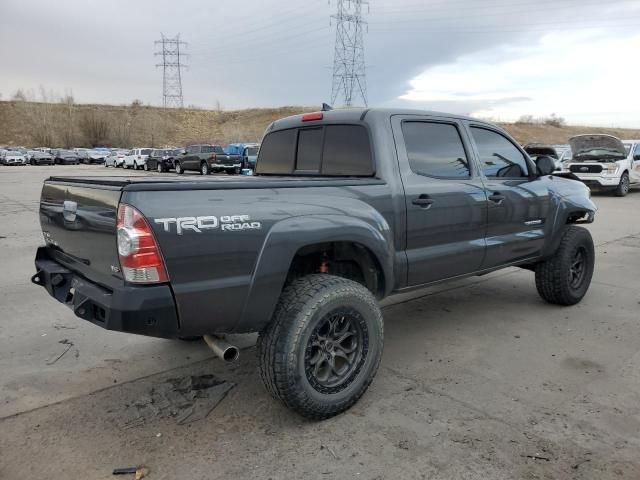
[79, 226]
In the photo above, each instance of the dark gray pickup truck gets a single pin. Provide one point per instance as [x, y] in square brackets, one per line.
[346, 208]
[207, 159]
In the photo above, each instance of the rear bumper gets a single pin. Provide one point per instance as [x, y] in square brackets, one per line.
[145, 310]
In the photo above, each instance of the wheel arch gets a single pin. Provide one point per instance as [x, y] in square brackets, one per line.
[302, 241]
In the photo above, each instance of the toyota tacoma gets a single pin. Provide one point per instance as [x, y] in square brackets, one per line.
[346, 208]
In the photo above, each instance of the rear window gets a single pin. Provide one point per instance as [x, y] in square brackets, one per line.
[338, 150]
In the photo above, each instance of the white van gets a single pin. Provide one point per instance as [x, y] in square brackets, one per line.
[604, 162]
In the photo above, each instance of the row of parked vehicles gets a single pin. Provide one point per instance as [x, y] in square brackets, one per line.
[602, 162]
[49, 156]
[203, 158]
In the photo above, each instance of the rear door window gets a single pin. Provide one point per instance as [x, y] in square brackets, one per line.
[435, 150]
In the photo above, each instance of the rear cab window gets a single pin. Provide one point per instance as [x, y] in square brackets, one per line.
[331, 150]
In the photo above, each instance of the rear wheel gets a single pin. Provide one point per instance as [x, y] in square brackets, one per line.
[565, 278]
[623, 187]
[179, 170]
[204, 168]
[323, 346]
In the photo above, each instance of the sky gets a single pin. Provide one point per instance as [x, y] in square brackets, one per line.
[497, 59]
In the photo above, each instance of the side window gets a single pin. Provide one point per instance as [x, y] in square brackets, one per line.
[636, 152]
[499, 158]
[435, 149]
[309, 149]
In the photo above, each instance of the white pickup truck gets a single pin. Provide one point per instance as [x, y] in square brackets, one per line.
[604, 162]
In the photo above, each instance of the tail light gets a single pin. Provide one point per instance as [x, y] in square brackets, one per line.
[310, 117]
[140, 256]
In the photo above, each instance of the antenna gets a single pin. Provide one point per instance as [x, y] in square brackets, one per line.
[171, 70]
[349, 80]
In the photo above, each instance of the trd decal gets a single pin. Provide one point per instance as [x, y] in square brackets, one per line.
[226, 223]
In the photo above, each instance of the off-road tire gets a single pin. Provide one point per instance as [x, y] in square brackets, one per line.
[554, 276]
[623, 187]
[284, 345]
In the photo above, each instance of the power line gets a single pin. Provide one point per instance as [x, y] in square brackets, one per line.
[349, 71]
[171, 70]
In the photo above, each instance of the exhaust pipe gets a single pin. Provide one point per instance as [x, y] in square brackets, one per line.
[224, 350]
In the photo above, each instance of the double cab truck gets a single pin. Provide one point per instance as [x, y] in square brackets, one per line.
[346, 208]
[604, 162]
[207, 159]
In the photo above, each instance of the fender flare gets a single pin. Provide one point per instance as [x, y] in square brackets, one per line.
[566, 207]
[287, 237]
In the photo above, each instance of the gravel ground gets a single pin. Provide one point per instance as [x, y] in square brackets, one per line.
[480, 379]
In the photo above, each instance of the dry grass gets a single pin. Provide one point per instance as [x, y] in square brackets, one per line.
[30, 123]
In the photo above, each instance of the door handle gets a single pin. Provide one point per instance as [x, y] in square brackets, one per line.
[497, 197]
[423, 201]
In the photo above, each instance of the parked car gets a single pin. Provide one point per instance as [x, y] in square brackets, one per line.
[115, 159]
[347, 207]
[162, 159]
[604, 162]
[96, 157]
[136, 158]
[13, 157]
[66, 157]
[205, 158]
[41, 158]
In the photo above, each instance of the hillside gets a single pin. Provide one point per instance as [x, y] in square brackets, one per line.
[67, 125]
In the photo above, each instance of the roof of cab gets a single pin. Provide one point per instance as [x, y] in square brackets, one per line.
[354, 115]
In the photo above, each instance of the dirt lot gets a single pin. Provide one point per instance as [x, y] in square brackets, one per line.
[480, 380]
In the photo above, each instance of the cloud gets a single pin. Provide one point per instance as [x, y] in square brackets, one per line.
[585, 76]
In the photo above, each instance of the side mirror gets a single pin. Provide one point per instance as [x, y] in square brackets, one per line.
[545, 166]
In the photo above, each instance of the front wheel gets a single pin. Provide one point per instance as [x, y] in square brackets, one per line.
[565, 278]
[623, 187]
[145, 167]
[204, 168]
[160, 169]
[322, 348]
[179, 170]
